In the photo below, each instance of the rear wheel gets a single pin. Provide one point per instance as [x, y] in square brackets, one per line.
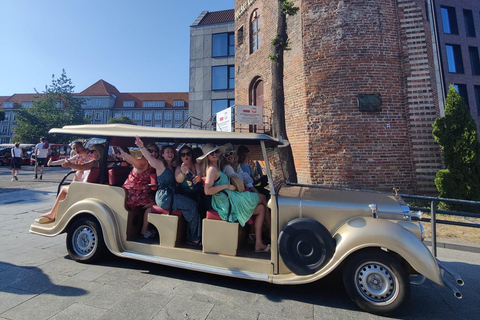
[376, 281]
[85, 240]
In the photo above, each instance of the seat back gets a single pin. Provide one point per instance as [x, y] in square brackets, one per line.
[94, 175]
[118, 175]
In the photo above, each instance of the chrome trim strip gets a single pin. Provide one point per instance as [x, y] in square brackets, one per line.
[197, 267]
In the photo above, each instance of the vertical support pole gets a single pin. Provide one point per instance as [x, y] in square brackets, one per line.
[433, 206]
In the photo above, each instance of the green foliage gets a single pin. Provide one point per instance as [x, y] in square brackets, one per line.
[121, 119]
[55, 109]
[288, 8]
[456, 133]
[2, 115]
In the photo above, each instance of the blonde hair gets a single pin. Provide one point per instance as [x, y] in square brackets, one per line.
[101, 151]
[205, 164]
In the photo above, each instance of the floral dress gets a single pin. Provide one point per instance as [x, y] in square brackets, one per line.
[166, 198]
[242, 203]
[139, 193]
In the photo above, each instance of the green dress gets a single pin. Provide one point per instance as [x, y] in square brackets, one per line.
[243, 203]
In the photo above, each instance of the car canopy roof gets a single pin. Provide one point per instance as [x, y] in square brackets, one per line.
[123, 134]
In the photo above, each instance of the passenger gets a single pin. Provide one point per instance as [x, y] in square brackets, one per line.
[231, 205]
[261, 181]
[166, 198]
[230, 167]
[188, 174]
[139, 193]
[80, 156]
[96, 155]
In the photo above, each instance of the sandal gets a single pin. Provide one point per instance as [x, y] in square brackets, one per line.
[148, 235]
[197, 243]
[268, 248]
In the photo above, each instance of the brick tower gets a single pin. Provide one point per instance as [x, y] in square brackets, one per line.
[360, 89]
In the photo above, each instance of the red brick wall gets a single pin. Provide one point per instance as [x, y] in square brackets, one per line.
[341, 49]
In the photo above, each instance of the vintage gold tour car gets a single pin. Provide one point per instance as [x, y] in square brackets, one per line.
[372, 237]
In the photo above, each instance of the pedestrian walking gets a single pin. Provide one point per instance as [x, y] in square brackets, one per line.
[41, 153]
[16, 163]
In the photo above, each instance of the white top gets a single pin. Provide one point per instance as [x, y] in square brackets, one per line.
[41, 152]
[16, 152]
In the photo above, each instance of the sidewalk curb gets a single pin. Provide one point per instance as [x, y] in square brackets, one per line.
[453, 246]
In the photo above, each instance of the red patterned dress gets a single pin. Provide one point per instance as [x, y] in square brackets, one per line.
[139, 193]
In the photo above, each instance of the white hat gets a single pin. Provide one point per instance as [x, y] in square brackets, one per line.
[209, 148]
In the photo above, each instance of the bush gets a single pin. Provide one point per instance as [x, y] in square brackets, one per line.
[456, 133]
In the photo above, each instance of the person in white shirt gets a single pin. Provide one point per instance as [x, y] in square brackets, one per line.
[41, 153]
[16, 163]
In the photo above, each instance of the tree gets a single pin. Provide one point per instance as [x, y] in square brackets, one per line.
[279, 45]
[55, 109]
[456, 133]
[121, 119]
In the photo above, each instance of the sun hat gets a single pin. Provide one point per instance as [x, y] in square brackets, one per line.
[237, 182]
[229, 147]
[208, 148]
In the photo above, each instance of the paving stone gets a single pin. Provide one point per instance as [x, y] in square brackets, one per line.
[10, 298]
[141, 305]
[39, 307]
[13, 274]
[105, 296]
[78, 311]
[227, 312]
[125, 278]
[181, 309]
[39, 283]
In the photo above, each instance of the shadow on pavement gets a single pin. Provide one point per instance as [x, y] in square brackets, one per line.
[31, 280]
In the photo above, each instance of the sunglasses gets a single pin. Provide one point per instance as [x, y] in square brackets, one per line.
[185, 154]
[152, 150]
[228, 154]
[213, 152]
[91, 151]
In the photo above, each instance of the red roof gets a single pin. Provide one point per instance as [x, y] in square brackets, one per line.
[100, 88]
[218, 17]
[140, 97]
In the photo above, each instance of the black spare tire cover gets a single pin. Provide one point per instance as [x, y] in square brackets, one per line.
[305, 246]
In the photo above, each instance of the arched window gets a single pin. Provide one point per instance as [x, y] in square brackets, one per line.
[256, 99]
[254, 31]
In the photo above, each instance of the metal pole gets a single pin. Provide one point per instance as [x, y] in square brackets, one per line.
[434, 228]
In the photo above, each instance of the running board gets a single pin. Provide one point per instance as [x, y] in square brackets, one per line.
[197, 267]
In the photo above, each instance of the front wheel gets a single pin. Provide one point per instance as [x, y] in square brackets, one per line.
[85, 240]
[376, 281]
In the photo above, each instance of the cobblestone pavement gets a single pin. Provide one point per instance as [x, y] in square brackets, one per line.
[38, 280]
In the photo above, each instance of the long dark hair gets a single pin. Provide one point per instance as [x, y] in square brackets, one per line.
[161, 155]
[178, 159]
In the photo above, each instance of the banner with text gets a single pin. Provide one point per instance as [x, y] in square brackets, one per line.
[224, 120]
[249, 115]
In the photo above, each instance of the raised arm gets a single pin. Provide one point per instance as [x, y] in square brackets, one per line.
[155, 163]
[85, 166]
[138, 163]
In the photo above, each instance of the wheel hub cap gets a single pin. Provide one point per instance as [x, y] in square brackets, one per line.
[84, 240]
[375, 282]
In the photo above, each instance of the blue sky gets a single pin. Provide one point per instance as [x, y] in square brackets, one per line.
[136, 45]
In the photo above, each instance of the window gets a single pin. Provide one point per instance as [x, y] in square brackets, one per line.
[128, 104]
[178, 103]
[254, 32]
[474, 60]
[26, 104]
[148, 116]
[449, 19]
[477, 97]
[221, 104]
[154, 104]
[99, 103]
[7, 105]
[240, 36]
[469, 24]
[128, 114]
[462, 91]
[4, 129]
[454, 58]
[98, 116]
[89, 103]
[138, 116]
[158, 116]
[223, 77]
[117, 114]
[178, 116]
[223, 44]
[168, 116]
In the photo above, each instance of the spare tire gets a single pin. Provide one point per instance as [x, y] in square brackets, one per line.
[305, 246]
